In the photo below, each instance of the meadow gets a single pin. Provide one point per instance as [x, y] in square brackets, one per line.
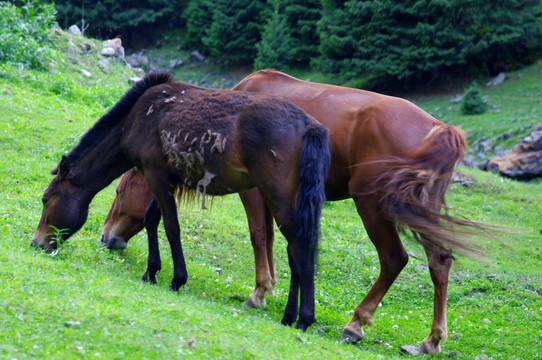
[84, 301]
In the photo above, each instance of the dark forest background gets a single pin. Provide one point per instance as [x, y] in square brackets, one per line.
[359, 43]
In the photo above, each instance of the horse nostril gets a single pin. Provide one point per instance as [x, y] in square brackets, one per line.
[102, 240]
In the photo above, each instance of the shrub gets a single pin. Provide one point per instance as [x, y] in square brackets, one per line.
[472, 103]
[25, 34]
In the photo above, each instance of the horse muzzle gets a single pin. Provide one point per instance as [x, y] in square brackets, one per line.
[113, 242]
[43, 244]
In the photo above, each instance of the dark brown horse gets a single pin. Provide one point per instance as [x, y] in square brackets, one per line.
[395, 161]
[186, 138]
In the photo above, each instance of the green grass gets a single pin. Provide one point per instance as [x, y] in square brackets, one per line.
[87, 302]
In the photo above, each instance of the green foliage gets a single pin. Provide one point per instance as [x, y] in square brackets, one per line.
[399, 40]
[274, 49]
[25, 34]
[300, 26]
[104, 15]
[472, 103]
[198, 15]
[235, 29]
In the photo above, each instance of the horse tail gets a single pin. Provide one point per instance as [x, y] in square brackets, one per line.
[314, 163]
[413, 192]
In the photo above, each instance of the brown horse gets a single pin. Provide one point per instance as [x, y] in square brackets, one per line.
[395, 161]
[186, 138]
[127, 216]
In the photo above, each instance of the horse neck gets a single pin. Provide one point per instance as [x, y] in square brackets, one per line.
[100, 165]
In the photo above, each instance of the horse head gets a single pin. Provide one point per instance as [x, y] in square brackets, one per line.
[64, 209]
[126, 216]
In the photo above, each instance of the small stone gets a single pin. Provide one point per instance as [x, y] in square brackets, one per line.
[85, 73]
[108, 51]
[74, 29]
[486, 320]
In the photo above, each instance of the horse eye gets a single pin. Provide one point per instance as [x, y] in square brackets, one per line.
[44, 201]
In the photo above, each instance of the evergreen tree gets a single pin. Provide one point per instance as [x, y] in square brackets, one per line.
[301, 17]
[235, 29]
[274, 50]
[102, 16]
[400, 39]
[198, 16]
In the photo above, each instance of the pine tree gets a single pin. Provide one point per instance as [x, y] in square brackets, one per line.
[198, 15]
[301, 17]
[235, 29]
[407, 39]
[274, 50]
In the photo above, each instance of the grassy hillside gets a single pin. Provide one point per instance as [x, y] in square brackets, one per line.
[87, 302]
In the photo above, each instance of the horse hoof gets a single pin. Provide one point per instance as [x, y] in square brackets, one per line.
[287, 320]
[249, 304]
[254, 302]
[413, 350]
[303, 325]
[350, 337]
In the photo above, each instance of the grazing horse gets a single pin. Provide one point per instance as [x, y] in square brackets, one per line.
[127, 213]
[186, 138]
[127, 217]
[395, 161]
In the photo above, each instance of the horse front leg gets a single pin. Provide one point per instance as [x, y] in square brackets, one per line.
[259, 219]
[151, 222]
[439, 268]
[163, 194]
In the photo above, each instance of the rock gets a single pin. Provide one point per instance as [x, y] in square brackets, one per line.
[196, 56]
[74, 29]
[519, 166]
[497, 80]
[104, 63]
[138, 60]
[174, 64]
[422, 267]
[73, 60]
[525, 160]
[457, 99]
[113, 48]
[85, 73]
[108, 51]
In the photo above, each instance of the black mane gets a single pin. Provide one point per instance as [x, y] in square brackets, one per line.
[117, 113]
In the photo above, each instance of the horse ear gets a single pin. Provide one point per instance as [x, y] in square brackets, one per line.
[63, 168]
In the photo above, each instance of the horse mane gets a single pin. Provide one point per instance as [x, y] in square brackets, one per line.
[117, 113]
[128, 179]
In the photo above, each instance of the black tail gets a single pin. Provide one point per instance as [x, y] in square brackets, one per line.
[313, 166]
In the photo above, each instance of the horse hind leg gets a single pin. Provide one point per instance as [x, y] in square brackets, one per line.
[259, 219]
[393, 258]
[439, 268]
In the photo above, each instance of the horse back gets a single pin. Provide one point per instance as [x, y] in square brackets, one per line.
[213, 137]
